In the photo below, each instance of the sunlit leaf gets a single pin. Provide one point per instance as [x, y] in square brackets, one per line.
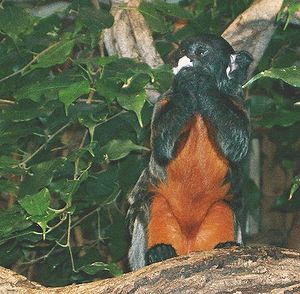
[153, 18]
[37, 89]
[290, 75]
[134, 103]
[72, 92]
[15, 20]
[295, 186]
[95, 20]
[173, 10]
[36, 204]
[56, 54]
[117, 149]
[95, 267]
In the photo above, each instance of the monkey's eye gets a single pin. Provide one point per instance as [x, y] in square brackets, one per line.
[200, 52]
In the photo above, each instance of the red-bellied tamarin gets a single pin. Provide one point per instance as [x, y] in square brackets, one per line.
[199, 135]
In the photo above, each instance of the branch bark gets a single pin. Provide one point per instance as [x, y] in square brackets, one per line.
[253, 29]
[235, 270]
[130, 36]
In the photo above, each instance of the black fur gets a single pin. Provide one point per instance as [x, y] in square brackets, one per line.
[159, 252]
[212, 87]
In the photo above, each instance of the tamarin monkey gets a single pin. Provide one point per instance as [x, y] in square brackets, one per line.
[199, 135]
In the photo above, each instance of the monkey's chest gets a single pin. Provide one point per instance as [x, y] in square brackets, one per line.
[195, 177]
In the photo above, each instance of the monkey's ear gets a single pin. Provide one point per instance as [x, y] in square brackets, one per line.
[239, 63]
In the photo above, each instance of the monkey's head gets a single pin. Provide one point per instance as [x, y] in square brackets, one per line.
[213, 54]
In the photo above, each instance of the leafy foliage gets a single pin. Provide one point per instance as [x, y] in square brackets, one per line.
[70, 121]
[74, 127]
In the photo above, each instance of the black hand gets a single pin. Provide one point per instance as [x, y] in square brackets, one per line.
[159, 252]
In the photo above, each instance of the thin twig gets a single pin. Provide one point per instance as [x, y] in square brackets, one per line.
[77, 160]
[112, 117]
[43, 257]
[35, 58]
[43, 145]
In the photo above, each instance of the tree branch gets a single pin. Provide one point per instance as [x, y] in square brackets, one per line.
[235, 270]
[253, 29]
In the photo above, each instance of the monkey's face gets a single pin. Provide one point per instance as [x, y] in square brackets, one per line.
[206, 51]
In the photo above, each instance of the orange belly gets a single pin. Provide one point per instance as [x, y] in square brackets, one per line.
[188, 210]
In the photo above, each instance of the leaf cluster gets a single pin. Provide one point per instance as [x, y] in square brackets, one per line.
[74, 132]
[74, 128]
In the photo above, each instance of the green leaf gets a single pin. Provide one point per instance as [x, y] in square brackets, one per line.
[40, 176]
[12, 132]
[12, 220]
[282, 118]
[25, 110]
[33, 91]
[295, 186]
[134, 103]
[36, 204]
[103, 61]
[117, 149]
[287, 204]
[15, 20]
[42, 220]
[95, 20]
[56, 54]
[97, 266]
[88, 122]
[173, 10]
[162, 77]
[259, 105]
[135, 164]
[290, 75]
[123, 77]
[116, 234]
[72, 92]
[37, 89]
[152, 17]
[66, 188]
[99, 187]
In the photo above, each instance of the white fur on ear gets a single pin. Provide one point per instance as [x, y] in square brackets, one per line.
[232, 66]
[182, 62]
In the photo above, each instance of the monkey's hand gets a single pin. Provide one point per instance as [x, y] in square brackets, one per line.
[230, 125]
[159, 252]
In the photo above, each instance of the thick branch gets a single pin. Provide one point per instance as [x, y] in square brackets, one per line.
[236, 270]
[130, 35]
[253, 29]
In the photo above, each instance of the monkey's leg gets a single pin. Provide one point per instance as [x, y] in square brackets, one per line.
[165, 238]
[217, 227]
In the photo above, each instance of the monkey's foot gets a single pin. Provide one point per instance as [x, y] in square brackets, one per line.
[159, 252]
[227, 244]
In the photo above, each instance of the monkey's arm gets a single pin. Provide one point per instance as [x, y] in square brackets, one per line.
[230, 125]
[170, 116]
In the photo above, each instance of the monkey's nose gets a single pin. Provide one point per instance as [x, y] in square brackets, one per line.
[182, 62]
